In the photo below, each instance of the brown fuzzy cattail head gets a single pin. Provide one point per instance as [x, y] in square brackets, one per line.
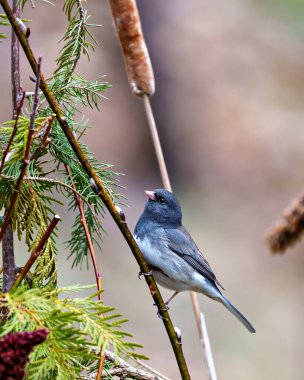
[289, 229]
[133, 46]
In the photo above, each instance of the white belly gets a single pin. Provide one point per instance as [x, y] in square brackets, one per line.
[175, 273]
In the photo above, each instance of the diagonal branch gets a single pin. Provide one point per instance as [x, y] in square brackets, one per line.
[105, 197]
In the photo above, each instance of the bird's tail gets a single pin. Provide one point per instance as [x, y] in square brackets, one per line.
[237, 314]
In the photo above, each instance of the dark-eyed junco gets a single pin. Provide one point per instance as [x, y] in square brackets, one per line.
[171, 253]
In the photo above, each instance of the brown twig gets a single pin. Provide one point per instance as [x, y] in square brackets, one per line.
[6, 150]
[36, 252]
[93, 257]
[102, 192]
[26, 161]
[86, 231]
[289, 230]
[44, 141]
[102, 359]
[15, 66]
[125, 371]
[8, 255]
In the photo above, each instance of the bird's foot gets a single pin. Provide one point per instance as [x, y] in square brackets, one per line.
[141, 273]
[159, 311]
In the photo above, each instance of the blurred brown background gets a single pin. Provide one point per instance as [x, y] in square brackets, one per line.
[229, 106]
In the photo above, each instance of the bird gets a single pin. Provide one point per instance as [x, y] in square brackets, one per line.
[172, 255]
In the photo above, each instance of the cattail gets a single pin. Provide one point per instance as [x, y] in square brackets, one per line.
[133, 46]
[289, 229]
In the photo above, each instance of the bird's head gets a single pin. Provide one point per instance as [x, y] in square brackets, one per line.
[163, 207]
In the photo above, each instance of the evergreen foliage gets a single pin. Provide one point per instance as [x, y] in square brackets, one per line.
[76, 327]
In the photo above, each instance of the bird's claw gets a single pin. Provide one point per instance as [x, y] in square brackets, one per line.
[141, 273]
[160, 310]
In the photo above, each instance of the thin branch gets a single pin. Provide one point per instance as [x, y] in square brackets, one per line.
[86, 232]
[15, 67]
[105, 197]
[157, 145]
[152, 370]
[44, 141]
[81, 18]
[36, 252]
[102, 359]
[204, 337]
[26, 160]
[8, 255]
[125, 371]
[6, 150]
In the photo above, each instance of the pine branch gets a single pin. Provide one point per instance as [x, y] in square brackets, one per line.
[102, 194]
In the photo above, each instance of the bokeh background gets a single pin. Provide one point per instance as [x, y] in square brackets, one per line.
[229, 107]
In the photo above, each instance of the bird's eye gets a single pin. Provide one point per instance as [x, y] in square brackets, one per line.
[162, 200]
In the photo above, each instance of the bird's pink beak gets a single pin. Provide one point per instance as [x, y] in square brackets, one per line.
[150, 195]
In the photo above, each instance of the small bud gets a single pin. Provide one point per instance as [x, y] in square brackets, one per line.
[33, 79]
[94, 186]
[22, 26]
[178, 334]
[121, 213]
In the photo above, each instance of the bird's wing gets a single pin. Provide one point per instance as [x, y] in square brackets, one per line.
[181, 242]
